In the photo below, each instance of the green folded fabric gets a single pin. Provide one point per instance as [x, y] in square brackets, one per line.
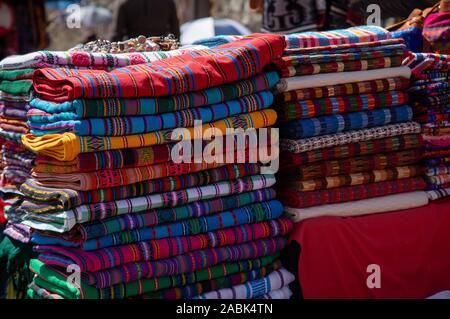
[14, 257]
[13, 75]
[16, 87]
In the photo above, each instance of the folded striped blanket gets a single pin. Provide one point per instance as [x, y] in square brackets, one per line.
[207, 274]
[67, 146]
[17, 74]
[437, 194]
[438, 181]
[253, 213]
[83, 232]
[137, 157]
[221, 275]
[327, 79]
[316, 54]
[344, 122]
[44, 199]
[387, 144]
[298, 199]
[55, 280]
[36, 292]
[187, 262]
[320, 142]
[118, 126]
[14, 110]
[364, 87]
[335, 37]
[74, 59]
[119, 177]
[352, 179]
[14, 126]
[346, 66]
[439, 169]
[253, 289]
[342, 104]
[65, 220]
[351, 165]
[111, 107]
[419, 62]
[200, 287]
[218, 249]
[353, 36]
[382, 204]
[192, 71]
[18, 87]
[437, 131]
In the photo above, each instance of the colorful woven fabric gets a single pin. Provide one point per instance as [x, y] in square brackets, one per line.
[327, 53]
[374, 176]
[46, 199]
[250, 214]
[253, 289]
[83, 232]
[229, 254]
[365, 87]
[192, 71]
[438, 170]
[320, 142]
[419, 62]
[14, 126]
[335, 37]
[348, 66]
[211, 245]
[125, 176]
[14, 110]
[110, 107]
[438, 180]
[345, 122]
[13, 75]
[144, 286]
[383, 204]
[137, 157]
[118, 126]
[327, 79]
[199, 287]
[352, 35]
[343, 104]
[190, 261]
[438, 193]
[67, 146]
[66, 220]
[18, 87]
[298, 199]
[352, 165]
[388, 144]
[36, 292]
[123, 158]
[43, 59]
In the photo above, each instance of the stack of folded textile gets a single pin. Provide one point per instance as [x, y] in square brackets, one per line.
[430, 98]
[16, 94]
[107, 198]
[348, 144]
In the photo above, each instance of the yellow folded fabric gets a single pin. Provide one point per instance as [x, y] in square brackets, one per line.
[67, 146]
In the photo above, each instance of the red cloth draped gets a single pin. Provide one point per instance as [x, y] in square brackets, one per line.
[411, 247]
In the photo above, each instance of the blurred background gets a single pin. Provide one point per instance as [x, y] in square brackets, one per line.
[30, 25]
